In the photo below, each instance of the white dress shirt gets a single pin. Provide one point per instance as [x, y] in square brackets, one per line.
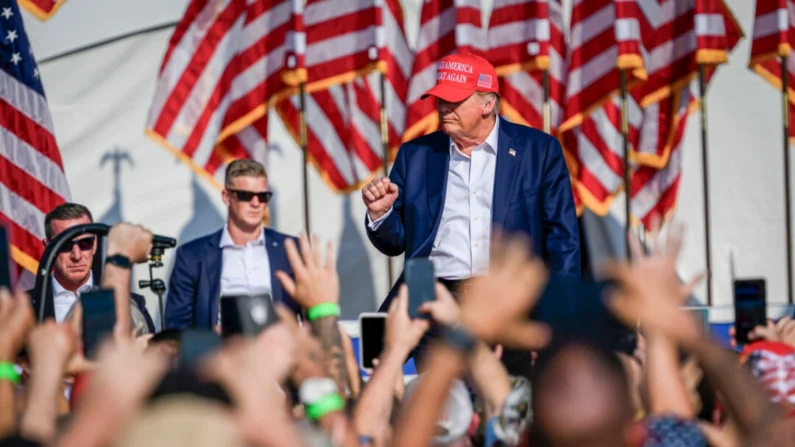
[246, 268]
[63, 299]
[463, 239]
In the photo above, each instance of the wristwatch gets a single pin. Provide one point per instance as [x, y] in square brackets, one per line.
[459, 339]
[314, 389]
[119, 261]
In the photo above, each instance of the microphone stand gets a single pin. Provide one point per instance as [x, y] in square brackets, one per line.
[158, 286]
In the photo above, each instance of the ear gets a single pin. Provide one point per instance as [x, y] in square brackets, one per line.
[225, 197]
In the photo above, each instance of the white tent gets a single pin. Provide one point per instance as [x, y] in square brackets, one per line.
[99, 94]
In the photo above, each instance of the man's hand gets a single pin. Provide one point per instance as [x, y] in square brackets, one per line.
[444, 310]
[132, 241]
[51, 345]
[316, 281]
[402, 333]
[495, 307]
[379, 196]
[16, 321]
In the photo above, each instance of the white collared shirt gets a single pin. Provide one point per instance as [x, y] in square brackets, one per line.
[63, 299]
[463, 239]
[246, 269]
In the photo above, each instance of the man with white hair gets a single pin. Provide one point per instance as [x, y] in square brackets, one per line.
[449, 191]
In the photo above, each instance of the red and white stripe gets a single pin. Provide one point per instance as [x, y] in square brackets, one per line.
[221, 71]
[525, 37]
[670, 55]
[32, 179]
[446, 26]
[343, 121]
[774, 37]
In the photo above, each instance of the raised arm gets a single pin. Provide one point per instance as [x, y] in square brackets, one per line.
[561, 233]
[383, 198]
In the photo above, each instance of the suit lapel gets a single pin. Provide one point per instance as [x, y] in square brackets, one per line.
[436, 166]
[508, 161]
[276, 261]
[212, 272]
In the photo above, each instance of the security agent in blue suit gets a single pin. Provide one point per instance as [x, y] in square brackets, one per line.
[240, 259]
[448, 191]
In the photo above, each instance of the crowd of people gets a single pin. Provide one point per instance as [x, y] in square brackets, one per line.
[514, 349]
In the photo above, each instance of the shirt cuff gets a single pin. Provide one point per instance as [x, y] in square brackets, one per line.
[374, 224]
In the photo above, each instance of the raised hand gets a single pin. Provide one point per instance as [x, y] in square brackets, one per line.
[379, 196]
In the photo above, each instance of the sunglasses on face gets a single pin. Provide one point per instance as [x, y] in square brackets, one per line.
[248, 196]
[84, 244]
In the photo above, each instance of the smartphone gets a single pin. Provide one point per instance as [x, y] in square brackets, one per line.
[750, 307]
[99, 317]
[246, 315]
[701, 314]
[372, 328]
[421, 282]
[6, 265]
[196, 344]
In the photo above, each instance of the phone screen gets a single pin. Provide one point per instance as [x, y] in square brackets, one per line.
[6, 278]
[246, 315]
[195, 344]
[371, 338]
[99, 317]
[750, 307]
[421, 282]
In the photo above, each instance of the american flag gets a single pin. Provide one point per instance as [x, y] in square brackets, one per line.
[221, 72]
[42, 9]
[32, 179]
[343, 119]
[662, 42]
[774, 36]
[445, 26]
[526, 37]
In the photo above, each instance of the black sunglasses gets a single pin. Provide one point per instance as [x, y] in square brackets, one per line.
[248, 196]
[85, 244]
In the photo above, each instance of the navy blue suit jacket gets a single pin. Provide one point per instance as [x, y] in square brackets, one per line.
[532, 195]
[195, 284]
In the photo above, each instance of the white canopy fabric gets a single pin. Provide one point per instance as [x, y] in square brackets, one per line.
[100, 97]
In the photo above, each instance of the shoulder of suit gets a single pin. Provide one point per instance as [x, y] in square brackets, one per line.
[276, 236]
[199, 244]
[430, 140]
[528, 133]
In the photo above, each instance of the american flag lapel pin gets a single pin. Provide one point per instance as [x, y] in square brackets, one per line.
[512, 152]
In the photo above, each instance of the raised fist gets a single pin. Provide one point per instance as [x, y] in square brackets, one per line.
[379, 196]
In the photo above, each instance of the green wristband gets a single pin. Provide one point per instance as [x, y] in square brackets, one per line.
[8, 372]
[323, 310]
[325, 405]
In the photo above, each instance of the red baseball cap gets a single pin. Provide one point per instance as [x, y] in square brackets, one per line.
[460, 75]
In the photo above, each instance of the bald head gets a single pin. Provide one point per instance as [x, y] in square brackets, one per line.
[581, 398]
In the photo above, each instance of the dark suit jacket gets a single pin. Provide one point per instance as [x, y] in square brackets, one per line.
[49, 306]
[195, 284]
[532, 195]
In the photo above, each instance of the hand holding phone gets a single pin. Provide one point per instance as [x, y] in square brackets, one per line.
[246, 315]
[372, 329]
[99, 318]
[750, 307]
[421, 282]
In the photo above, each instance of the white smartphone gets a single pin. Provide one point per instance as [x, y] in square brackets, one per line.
[372, 328]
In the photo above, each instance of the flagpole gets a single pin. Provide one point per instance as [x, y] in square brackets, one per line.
[305, 150]
[702, 94]
[385, 145]
[787, 206]
[625, 134]
[546, 107]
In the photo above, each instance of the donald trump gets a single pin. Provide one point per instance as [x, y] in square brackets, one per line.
[448, 191]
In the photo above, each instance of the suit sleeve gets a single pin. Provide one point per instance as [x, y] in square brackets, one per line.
[561, 232]
[181, 293]
[389, 235]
